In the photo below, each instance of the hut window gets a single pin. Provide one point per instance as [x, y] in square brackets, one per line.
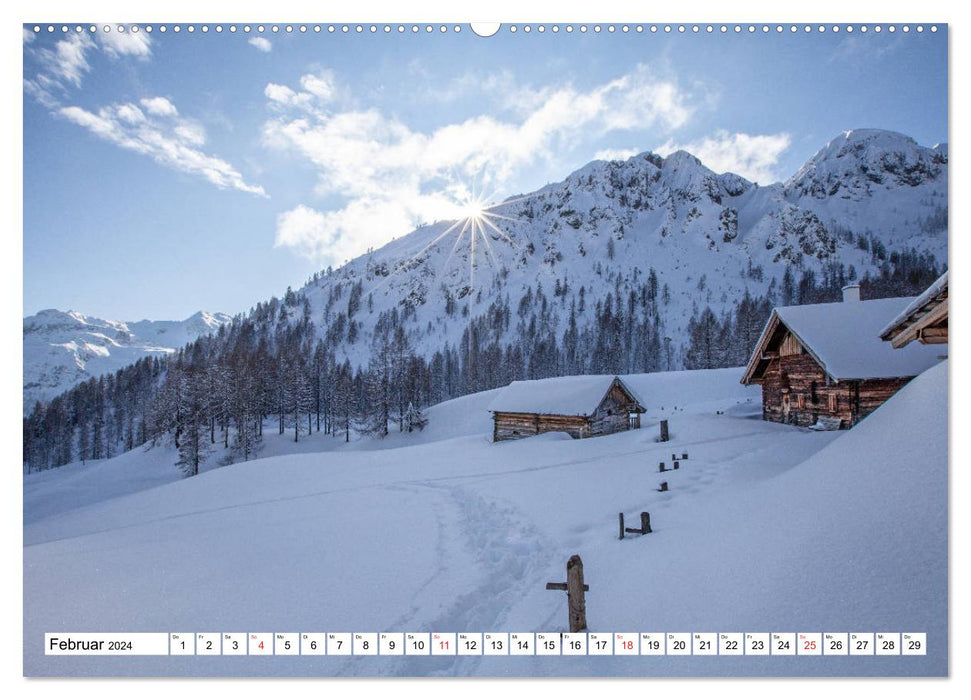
[812, 393]
[832, 402]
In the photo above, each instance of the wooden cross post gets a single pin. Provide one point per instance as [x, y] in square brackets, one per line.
[664, 430]
[575, 589]
[677, 465]
[664, 486]
[660, 467]
[644, 529]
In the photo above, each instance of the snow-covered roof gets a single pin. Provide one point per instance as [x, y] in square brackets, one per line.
[562, 396]
[844, 337]
[928, 295]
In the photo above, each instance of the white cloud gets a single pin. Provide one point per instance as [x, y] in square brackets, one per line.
[261, 44]
[755, 157]
[615, 153]
[127, 43]
[191, 132]
[153, 127]
[391, 175]
[318, 90]
[159, 106]
[130, 113]
[304, 229]
[320, 85]
[281, 96]
[67, 62]
[168, 139]
[62, 67]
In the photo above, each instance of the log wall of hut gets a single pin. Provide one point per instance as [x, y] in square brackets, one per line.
[513, 426]
[795, 390]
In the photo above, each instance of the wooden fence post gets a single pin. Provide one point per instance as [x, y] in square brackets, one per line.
[645, 523]
[664, 430]
[575, 589]
[576, 601]
[660, 467]
[621, 515]
[677, 466]
[664, 486]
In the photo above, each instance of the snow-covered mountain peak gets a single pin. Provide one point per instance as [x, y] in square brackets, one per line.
[681, 159]
[861, 160]
[63, 348]
[668, 230]
[56, 319]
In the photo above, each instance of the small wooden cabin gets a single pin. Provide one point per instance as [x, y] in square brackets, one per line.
[824, 365]
[923, 320]
[581, 406]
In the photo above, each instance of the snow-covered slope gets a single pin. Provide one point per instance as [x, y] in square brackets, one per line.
[766, 527]
[62, 349]
[78, 485]
[708, 237]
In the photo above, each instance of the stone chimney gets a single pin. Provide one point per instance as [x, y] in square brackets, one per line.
[851, 292]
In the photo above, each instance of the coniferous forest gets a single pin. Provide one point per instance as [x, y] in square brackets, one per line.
[276, 369]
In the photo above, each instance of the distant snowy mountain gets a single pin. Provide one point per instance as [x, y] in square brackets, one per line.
[62, 348]
[708, 238]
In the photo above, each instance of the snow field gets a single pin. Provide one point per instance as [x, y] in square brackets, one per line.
[765, 528]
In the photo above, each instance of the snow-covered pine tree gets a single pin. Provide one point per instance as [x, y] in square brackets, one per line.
[194, 446]
[414, 418]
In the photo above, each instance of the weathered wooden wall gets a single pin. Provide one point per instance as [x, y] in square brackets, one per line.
[613, 413]
[512, 426]
[803, 381]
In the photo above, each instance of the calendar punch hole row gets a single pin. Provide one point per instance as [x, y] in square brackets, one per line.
[488, 644]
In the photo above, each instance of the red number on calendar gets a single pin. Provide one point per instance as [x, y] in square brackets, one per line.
[261, 645]
[628, 645]
[810, 645]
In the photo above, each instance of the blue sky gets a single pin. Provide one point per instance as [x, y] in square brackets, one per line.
[166, 173]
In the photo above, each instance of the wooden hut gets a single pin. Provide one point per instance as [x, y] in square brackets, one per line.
[824, 365]
[581, 406]
[924, 319]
